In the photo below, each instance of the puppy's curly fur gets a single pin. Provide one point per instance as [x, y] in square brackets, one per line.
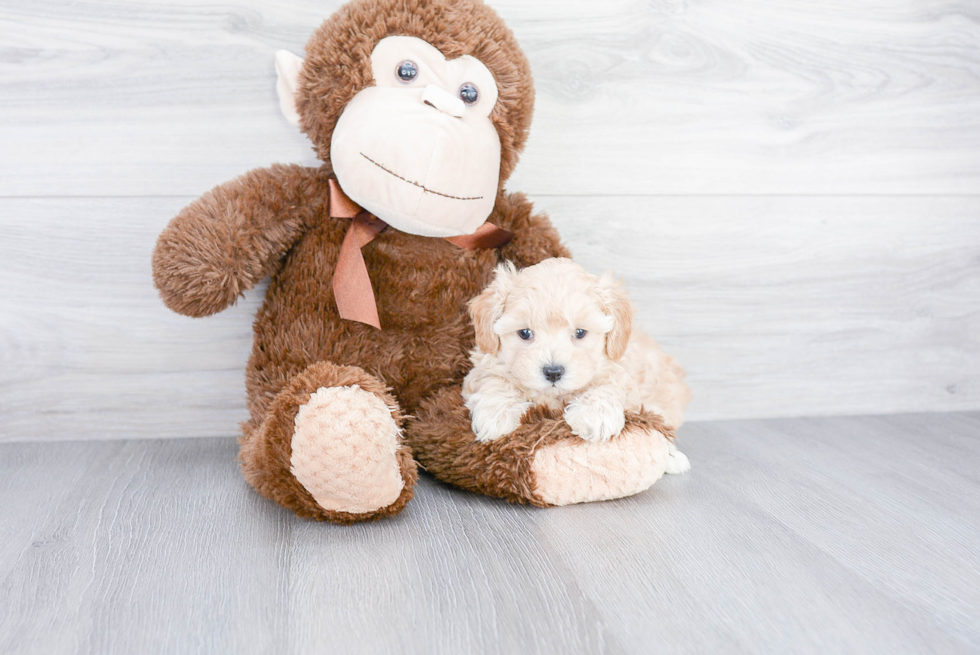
[553, 335]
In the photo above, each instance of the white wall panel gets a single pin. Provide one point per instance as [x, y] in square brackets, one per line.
[791, 189]
[652, 97]
[776, 306]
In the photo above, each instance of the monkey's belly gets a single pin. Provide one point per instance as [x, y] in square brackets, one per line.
[414, 363]
[422, 287]
[421, 281]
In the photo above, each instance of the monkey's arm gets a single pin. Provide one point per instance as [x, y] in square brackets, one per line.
[234, 235]
[535, 239]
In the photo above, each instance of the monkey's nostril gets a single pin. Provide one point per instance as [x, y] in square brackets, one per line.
[438, 98]
[553, 373]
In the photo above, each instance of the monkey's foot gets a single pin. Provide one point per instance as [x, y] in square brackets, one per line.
[576, 471]
[344, 451]
[330, 448]
[541, 462]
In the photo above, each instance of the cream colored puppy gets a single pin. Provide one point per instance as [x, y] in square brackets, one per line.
[555, 335]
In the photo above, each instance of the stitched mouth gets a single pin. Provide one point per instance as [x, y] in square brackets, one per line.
[424, 189]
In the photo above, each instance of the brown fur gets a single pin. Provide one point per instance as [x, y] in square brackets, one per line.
[274, 222]
[224, 243]
[335, 66]
[266, 448]
[443, 441]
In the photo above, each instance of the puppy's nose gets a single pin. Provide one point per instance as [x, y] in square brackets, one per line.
[553, 373]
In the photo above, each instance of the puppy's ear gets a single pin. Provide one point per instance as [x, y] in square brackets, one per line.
[487, 308]
[616, 304]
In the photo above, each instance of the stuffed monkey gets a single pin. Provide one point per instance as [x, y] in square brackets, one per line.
[418, 109]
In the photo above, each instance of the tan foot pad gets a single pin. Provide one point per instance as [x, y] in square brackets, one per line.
[343, 450]
[576, 471]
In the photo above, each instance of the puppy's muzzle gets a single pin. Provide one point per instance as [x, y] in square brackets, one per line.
[553, 373]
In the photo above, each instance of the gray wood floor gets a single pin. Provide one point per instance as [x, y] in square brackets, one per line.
[849, 535]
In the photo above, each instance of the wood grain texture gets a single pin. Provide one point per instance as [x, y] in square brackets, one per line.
[634, 96]
[785, 186]
[853, 535]
[860, 307]
[88, 349]
[800, 306]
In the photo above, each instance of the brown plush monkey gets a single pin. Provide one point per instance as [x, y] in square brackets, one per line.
[419, 109]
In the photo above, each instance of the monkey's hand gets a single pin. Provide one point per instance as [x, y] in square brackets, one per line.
[225, 242]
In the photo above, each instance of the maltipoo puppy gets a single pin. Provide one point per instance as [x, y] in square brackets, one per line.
[555, 335]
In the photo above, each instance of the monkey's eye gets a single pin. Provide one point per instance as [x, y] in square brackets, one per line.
[469, 94]
[580, 333]
[525, 334]
[407, 71]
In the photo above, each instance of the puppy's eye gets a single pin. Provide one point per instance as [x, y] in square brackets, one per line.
[525, 334]
[407, 71]
[580, 333]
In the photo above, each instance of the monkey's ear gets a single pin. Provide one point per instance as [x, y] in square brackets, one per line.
[288, 66]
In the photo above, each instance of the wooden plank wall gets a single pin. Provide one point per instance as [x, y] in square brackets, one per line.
[792, 191]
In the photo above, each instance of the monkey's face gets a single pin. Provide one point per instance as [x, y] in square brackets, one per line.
[418, 149]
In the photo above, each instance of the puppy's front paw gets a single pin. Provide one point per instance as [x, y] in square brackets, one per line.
[491, 423]
[595, 422]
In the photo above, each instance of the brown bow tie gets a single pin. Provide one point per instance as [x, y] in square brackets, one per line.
[351, 283]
